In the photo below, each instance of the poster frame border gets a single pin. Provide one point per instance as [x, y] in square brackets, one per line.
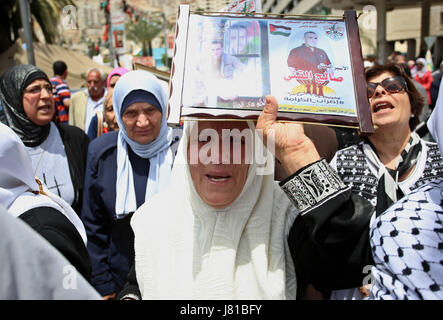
[177, 112]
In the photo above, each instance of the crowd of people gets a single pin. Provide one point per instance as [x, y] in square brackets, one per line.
[105, 195]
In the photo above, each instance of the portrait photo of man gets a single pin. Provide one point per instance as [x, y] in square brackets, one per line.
[311, 60]
[238, 38]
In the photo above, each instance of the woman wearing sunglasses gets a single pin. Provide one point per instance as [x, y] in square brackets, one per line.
[330, 240]
[394, 160]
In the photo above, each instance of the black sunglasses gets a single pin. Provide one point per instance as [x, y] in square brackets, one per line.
[392, 85]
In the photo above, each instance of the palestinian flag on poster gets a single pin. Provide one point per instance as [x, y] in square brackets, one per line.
[279, 30]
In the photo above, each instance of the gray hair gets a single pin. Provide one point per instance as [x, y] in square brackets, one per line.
[102, 74]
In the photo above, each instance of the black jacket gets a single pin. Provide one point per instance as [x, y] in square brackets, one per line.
[56, 228]
[330, 244]
[76, 146]
[131, 289]
[329, 240]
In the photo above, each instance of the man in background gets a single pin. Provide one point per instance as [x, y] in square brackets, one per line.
[61, 92]
[85, 103]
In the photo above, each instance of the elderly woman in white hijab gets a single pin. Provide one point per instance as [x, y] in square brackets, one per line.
[28, 199]
[125, 168]
[224, 234]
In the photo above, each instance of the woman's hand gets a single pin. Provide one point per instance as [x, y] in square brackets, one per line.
[292, 147]
[111, 296]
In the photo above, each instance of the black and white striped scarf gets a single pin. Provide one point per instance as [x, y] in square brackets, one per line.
[388, 190]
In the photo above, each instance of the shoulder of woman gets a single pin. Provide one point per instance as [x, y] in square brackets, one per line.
[423, 204]
[155, 214]
[68, 132]
[102, 144]
[49, 220]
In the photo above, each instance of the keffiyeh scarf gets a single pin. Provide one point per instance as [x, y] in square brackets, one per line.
[388, 190]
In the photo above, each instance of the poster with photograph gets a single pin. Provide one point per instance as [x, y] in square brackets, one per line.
[225, 69]
[310, 67]
[226, 65]
[235, 62]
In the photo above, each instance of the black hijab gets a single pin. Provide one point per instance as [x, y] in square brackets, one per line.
[12, 84]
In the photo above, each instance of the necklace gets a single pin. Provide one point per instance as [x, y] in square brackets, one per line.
[40, 158]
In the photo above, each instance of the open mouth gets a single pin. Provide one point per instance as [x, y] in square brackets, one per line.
[382, 106]
[216, 178]
[45, 108]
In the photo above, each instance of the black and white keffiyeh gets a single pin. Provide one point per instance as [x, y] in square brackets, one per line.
[388, 190]
[407, 246]
[407, 239]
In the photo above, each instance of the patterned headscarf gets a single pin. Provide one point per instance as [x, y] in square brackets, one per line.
[388, 190]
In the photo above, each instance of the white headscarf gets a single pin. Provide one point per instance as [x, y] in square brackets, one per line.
[434, 127]
[422, 72]
[185, 249]
[19, 191]
[158, 151]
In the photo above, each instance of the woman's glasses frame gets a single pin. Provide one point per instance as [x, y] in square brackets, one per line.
[393, 84]
[34, 90]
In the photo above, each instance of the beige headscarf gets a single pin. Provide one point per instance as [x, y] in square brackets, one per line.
[185, 249]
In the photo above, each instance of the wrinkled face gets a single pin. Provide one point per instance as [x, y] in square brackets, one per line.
[142, 122]
[110, 119]
[311, 39]
[95, 83]
[218, 184]
[38, 102]
[237, 38]
[389, 109]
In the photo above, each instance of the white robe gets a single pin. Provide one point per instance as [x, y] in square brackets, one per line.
[185, 249]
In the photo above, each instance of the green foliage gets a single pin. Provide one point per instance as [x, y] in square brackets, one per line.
[143, 32]
[46, 12]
